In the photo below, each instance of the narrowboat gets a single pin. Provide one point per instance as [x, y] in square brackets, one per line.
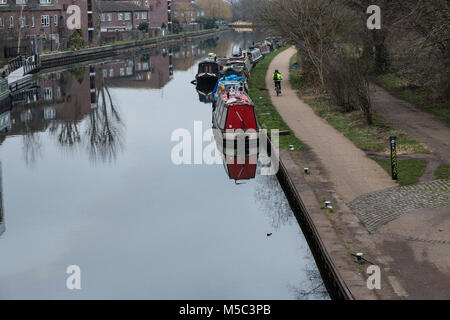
[232, 83]
[234, 69]
[263, 48]
[255, 56]
[242, 60]
[234, 123]
[208, 73]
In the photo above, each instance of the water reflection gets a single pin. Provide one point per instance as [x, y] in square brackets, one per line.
[188, 232]
[2, 214]
[104, 127]
[240, 169]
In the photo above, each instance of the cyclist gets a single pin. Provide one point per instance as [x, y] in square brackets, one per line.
[277, 77]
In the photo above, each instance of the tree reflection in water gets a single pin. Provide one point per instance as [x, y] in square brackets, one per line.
[104, 128]
[100, 133]
[274, 204]
[67, 132]
[32, 146]
[312, 288]
[276, 208]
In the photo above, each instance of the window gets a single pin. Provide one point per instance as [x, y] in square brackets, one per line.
[58, 91]
[122, 71]
[45, 20]
[55, 20]
[102, 17]
[3, 2]
[127, 16]
[109, 16]
[45, 1]
[22, 22]
[11, 22]
[120, 16]
[136, 15]
[2, 23]
[20, 2]
[49, 113]
[48, 93]
[144, 15]
[111, 73]
[32, 21]
[105, 73]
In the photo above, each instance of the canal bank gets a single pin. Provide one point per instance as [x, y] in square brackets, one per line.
[107, 51]
[319, 233]
[402, 231]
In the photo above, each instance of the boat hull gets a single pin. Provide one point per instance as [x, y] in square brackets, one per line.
[206, 80]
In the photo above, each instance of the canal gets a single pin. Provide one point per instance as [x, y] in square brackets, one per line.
[88, 180]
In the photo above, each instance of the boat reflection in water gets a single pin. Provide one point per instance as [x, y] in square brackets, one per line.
[205, 95]
[240, 168]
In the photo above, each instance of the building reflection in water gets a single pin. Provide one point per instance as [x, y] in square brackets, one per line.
[77, 108]
[2, 214]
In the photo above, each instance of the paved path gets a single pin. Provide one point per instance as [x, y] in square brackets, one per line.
[348, 167]
[378, 208]
[418, 124]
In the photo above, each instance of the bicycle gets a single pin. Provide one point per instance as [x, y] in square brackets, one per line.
[278, 87]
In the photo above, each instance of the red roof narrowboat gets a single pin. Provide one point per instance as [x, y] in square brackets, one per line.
[234, 122]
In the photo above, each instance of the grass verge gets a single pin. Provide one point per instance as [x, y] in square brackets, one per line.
[443, 172]
[267, 115]
[374, 138]
[397, 86]
[410, 170]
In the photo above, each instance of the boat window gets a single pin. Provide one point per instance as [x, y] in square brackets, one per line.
[219, 111]
[223, 120]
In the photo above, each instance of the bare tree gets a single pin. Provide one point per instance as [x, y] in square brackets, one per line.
[217, 9]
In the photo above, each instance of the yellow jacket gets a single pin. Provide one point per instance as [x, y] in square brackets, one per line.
[278, 75]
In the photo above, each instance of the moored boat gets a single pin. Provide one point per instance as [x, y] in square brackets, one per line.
[208, 73]
[234, 123]
[255, 55]
[231, 83]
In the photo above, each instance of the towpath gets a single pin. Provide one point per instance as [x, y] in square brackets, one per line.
[351, 171]
[403, 230]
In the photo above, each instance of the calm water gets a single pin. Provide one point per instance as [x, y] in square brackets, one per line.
[87, 180]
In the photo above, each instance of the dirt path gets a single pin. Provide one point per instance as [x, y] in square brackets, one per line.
[419, 125]
[352, 173]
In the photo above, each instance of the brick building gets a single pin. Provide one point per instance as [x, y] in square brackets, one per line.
[186, 11]
[40, 25]
[28, 26]
[121, 16]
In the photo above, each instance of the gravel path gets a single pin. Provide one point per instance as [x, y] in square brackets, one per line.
[352, 173]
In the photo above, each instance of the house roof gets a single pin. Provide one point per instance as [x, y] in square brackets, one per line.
[119, 6]
[196, 7]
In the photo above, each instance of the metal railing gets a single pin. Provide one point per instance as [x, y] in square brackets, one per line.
[29, 64]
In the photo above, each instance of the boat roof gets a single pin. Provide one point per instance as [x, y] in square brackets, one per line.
[208, 61]
[238, 98]
[230, 82]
